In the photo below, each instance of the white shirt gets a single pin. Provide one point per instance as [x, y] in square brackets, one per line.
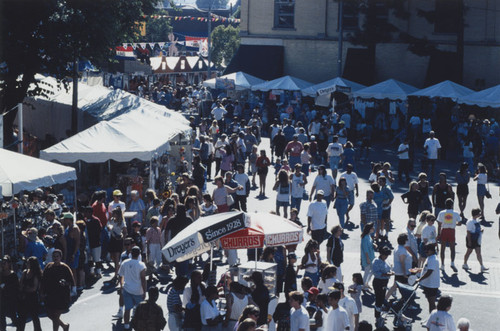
[219, 113]
[448, 218]
[218, 144]
[337, 320]
[468, 150]
[404, 155]
[426, 125]
[440, 320]
[433, 146]
[324, 286]
[241, 179]
[429, 232]
[186, 295]
[297, 188]
[334, 149]
[317, 211]
[351, 308]
[324, 183]
[351, 180]
[112, 205]
[131, 270]
[415, 120]
[482, 179]
[208, 311]
[299, 319]
[433, 281]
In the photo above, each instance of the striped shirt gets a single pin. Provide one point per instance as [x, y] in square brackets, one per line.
[173, 298]
[153, 235]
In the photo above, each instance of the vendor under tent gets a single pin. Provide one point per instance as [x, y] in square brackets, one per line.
[390, 89]
[485, 98]
[19, 172]
[143, 134]
[337, 84]
[240, 81]
[286, 83]
[446, 89]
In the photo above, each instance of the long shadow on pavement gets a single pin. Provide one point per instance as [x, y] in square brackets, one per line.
[452, 279]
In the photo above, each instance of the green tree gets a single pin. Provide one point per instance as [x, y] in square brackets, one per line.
[48, 36]
[225, 43]
[157, 28]
[216, 4]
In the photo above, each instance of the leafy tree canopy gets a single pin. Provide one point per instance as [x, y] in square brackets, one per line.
[225, 43]
[216, 4]
[157, 29]
[45, 36]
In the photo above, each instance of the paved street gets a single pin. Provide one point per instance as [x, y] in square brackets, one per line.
[476, 295]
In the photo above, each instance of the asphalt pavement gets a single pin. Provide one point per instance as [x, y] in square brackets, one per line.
[476, 295]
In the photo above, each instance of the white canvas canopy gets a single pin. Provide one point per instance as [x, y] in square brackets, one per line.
[485, 98]
[286, 83]
[21, 172]
[138, 134]
[336, 84]
[242, 80]
[389, 89]
[446, 89]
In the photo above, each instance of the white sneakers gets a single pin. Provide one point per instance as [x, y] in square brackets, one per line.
[465, 267]
[483, 268]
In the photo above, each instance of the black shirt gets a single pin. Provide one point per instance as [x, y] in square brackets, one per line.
[177, 224]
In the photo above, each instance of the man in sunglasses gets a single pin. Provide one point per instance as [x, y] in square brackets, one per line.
[411, 245]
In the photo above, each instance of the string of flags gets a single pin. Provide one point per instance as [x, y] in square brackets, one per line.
[215, 18]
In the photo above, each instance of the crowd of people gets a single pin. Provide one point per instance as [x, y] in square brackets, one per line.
[69, 249]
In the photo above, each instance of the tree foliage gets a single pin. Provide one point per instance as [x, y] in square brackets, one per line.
[157, 29]
[216, 4]
[225, 43]
[46, 36]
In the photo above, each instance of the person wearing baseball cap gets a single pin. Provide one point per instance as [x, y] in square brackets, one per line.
[317, 214]
[117, 194]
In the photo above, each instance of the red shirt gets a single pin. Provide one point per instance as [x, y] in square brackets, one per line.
[295, 148]
[100, 211]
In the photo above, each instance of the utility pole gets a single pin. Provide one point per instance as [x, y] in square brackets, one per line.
[460, 42]
[74, 105]
[341, 37]
[209, 40]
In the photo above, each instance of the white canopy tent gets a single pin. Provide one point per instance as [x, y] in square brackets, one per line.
[242, 80]
[21, 172]
[446, 89]
[485, 98]
[138, 134]
[389, 89]
[286, 83]
[336, 84]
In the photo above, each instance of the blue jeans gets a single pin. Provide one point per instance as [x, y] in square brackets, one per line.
[334, 162]
[341, 206]
[296, 203]
[305, 169]
[314, 277]
[293, 161]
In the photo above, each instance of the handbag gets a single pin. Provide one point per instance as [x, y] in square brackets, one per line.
[229, 200]
[488, 194]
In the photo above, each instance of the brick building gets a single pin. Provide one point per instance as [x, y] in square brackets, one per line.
[301, 38]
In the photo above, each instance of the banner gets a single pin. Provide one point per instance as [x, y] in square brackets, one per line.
[220, 229]
[331, 89]
[186, 249]
[224, 84]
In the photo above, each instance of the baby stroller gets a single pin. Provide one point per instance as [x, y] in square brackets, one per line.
[398, 307]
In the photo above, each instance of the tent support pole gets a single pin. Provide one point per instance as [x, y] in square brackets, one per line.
[15, 233]
[255, 258]
[211, 255]
[79, 166]
[3, 243]
[151, 176]
[75, 207]
[109, 166]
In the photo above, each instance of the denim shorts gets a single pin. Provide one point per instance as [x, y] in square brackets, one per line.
[131, 300]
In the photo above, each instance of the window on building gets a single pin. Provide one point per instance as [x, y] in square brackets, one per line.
[284, 14]
[350, 16]
[447, 12]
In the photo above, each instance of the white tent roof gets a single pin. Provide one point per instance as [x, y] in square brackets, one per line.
[137, 134]
[286, 83]
[485, 98]
[389, 89]
[242, 81]
[446, 89]
[332, 85]
[21, 172]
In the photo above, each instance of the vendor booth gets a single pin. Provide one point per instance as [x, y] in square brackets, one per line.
[446, 89]
[18, 173]
[236, 85]
[323, 92]
[485, 98]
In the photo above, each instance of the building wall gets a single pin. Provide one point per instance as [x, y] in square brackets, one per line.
[311, 48]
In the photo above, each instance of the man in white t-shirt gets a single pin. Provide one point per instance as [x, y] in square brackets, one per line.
[432, 147]
[117, 194]
[241, 195]
[448, 219]
[440, 319]
[220, 144]
[352, 181]
[430, 281]
[349, 305]
[132, 283]
[317, 217]
[299, 317]
[334, 151]
[337, 318]
[404, 160]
